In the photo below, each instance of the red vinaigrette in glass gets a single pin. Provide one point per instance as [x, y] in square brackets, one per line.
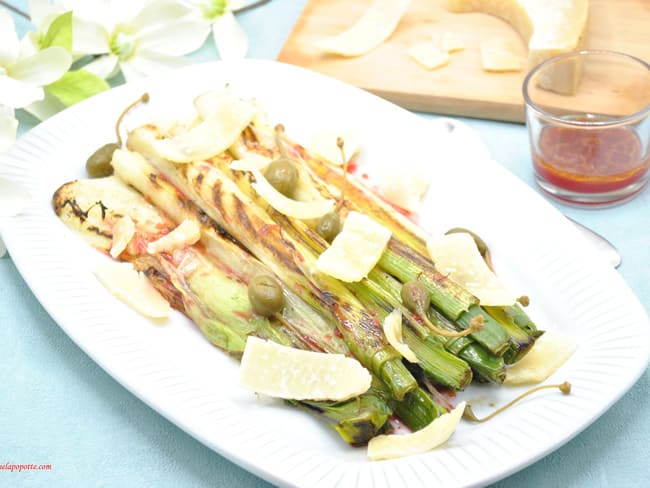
[594, 160]
[588, 118]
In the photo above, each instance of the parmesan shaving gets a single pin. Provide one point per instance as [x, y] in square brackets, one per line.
[132, 288]
[287, 206]
[430, 437]
[355, 250]
[186, 234]
[393, 333]
[550, 351]
[457, 256]
[250, 162]
[324, 144]
[374, 27]
[403, 187]
[429, 55]
[123, 231]
[220, 128]
[285, 372]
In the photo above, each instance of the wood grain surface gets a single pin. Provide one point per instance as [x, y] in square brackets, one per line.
[462, 87]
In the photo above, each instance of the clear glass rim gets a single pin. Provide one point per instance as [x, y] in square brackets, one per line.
[579, 123]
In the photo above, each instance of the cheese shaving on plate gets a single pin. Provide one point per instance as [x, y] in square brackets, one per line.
[224, 119]
[186, 234]
[457, 256]
[284, 372]
[123, 232]
[403, 187]
[287, 206]
[393, 333]
[430, 437]
[550, 351]
[133, 288]
[355, 250]
[324, 144]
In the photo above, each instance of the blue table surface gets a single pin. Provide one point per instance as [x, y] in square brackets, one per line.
[58, 407]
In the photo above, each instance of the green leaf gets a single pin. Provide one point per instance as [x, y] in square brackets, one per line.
[75, 86]
[59, 33]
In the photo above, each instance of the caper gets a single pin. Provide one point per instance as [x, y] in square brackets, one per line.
[468, 413]
[480, 243]
[98, 164]
[265, 295]
[415, 297]
[329, 226]
[283, 175]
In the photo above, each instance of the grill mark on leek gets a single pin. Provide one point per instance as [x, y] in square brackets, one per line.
[357, 420]
[383, 360]
[273, 234]
[406, 264]
[400, 255]
[363, 199]
[100, 232]
[414, 238]
[160, 280]
[445, 294]
[153, 178]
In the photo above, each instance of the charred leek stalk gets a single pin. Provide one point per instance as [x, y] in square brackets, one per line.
[241, 236]
[213, 297]
[405, 256]
[352, 421]
[309, 238]
[292, 262]
[398, 259]
[140, 174]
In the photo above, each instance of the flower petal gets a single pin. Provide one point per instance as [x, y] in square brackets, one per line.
[104, 66]
[231, 40]
[185, 37]
[38, 11]
[88, 37]
[42, 68]
[8, 127]
[236, 4]
[17, 94]
[148, 63]
[29, 45]
[43, 12]
[159, 14]
[9, 43]
[104, 12]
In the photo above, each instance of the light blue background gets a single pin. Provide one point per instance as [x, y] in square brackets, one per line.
[58, 407]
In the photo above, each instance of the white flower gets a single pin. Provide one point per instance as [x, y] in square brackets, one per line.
[229, 37]
[137, 37]
[23, 75]
[41, 13]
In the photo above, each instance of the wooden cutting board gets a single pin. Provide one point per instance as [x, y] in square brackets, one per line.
[462, 87]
